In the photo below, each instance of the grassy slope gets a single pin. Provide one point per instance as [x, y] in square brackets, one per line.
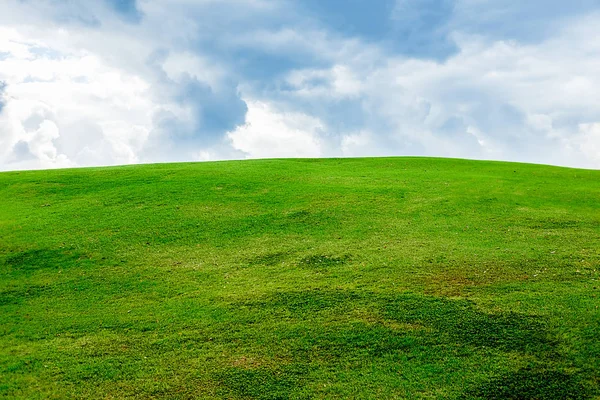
[364, 278]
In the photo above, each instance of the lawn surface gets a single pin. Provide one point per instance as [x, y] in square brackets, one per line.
[355, 278]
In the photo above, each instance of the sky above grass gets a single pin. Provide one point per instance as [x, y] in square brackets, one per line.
[103, 82]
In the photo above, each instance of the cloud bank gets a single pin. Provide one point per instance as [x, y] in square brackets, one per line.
[117, 82]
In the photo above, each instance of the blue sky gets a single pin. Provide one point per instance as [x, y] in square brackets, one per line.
[122, 81]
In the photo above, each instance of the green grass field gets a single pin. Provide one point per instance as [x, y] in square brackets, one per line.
[273, 279]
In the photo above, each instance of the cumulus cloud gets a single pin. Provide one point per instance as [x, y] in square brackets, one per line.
[69, 107]
[498, 99]
[269, 133]
[115, 82]
[114, 97]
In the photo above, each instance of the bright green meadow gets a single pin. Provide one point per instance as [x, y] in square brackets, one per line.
[328, 279]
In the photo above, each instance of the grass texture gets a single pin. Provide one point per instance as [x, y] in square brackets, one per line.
[298, 279]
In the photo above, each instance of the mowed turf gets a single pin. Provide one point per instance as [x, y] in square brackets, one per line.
[275, 279]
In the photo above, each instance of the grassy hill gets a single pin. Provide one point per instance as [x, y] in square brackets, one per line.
[355, 278]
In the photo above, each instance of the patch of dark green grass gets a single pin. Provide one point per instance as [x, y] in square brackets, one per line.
[455, 323]
[296, 222]
[39, 259]
[460, 322]
[531, 384]
[323, 261]
[348, 342]
[23, 366]
[299, 304]
[262, 383]
[403, 327]
[16, 296]
[299, 216]
[268, 259]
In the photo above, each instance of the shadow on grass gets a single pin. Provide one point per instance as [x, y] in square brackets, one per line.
[268, 259]
[460, 323]
[16, 296]
[33, 260]
[530, 384]
[455, 322]
[323, 261]
[316, 330]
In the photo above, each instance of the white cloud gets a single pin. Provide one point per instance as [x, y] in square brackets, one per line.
[106, 94]
[55, 97]
[269, 133]
[588, 143]
[494, 99]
